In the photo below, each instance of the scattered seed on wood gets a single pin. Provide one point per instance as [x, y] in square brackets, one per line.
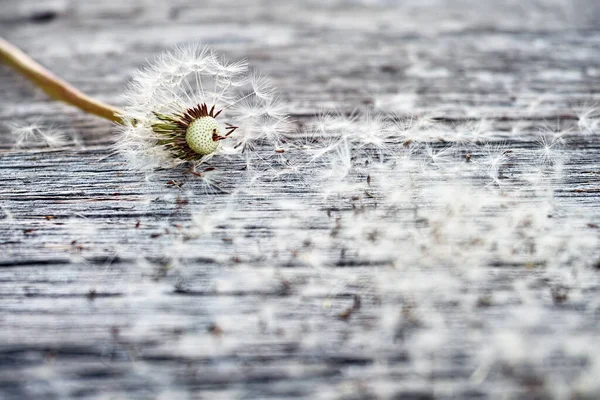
[215, 329]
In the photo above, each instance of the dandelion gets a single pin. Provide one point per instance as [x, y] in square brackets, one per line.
[181, 107]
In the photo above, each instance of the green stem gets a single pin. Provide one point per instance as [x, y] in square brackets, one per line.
[54, 86]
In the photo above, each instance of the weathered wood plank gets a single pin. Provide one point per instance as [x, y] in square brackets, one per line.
[114, 284]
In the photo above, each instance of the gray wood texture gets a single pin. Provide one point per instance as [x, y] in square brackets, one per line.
[109, 289]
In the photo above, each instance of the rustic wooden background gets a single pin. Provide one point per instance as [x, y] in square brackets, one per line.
[98, 301]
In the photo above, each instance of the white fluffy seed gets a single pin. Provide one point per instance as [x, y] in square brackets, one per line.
[199, 135]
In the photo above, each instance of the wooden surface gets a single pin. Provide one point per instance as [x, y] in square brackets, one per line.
[116, 285]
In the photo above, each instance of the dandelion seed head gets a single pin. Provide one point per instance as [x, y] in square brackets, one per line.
[199, 135]
[185, 104]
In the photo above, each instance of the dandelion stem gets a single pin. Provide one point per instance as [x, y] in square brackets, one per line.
[54, 86]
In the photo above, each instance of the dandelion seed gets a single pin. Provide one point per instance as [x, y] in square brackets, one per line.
[473, 131]
[548, 146]
[207, 178]
[35, 135]
[441, 156]
[371, 130]
[589, 120]
[421, 125]
[495, 159]
[262, 86]
[340, 163]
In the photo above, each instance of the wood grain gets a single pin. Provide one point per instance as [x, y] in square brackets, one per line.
[104, 294]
